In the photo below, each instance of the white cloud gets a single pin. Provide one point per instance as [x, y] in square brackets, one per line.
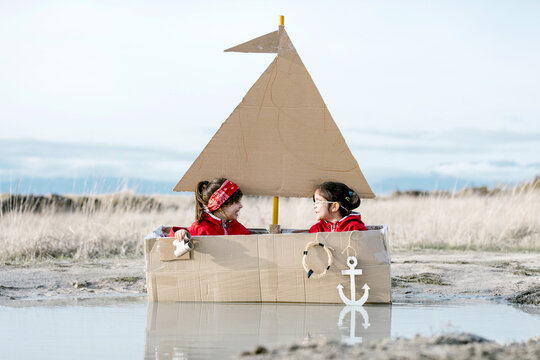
[491, 171]
[31, 158]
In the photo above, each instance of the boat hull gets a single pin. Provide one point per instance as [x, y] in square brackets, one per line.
[269, 268]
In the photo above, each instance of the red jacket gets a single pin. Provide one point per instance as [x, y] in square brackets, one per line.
[211, 225]
[348, 223]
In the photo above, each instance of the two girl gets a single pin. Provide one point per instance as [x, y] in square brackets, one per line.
[218, 204]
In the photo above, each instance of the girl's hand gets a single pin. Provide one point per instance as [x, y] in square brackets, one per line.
[181, 234]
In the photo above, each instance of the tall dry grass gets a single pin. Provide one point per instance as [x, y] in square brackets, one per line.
[507, 221]
[115, 227]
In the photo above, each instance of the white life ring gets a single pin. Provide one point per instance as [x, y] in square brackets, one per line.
[310, 271]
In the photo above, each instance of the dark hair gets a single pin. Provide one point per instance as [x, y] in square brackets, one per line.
[347, 198]
[204, 191]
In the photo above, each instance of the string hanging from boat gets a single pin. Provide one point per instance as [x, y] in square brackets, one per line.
[349, 247]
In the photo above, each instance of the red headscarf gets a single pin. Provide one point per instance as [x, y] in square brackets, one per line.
[221, 195]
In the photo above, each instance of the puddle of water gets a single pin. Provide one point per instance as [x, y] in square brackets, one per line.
[498, 322]
[110, 329]
[113, 330]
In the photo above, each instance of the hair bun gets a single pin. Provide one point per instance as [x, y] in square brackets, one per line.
[355, 200]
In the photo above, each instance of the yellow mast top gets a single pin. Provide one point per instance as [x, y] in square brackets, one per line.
[281, 20]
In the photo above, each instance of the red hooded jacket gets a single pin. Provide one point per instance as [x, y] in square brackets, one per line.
[348, 223]
[211, 225]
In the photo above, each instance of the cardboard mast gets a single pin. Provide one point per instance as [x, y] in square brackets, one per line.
[281, 139]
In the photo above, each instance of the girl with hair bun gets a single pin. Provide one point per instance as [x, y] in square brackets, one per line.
[216, 212]
[333, 203]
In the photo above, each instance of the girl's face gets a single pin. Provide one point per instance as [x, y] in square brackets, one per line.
[229, 212]
[324, 209]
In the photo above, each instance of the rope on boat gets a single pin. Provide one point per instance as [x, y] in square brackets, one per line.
[349, 247]
[306, 266]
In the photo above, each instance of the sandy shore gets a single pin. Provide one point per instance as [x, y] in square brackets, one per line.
[416, 277]
[463, 275]
[452, 346]
[72, 279]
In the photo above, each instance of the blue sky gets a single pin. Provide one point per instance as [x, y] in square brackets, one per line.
[137, 88]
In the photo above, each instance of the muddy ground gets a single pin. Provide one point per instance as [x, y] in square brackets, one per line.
[459, 346]
[415, 277]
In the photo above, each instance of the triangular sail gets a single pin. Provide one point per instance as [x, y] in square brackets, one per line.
[281, 139]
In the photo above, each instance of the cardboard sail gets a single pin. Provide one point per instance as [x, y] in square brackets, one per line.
[281, 139]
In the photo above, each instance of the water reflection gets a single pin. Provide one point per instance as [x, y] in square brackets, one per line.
[200, 330]
[352, 338]
[107, 328]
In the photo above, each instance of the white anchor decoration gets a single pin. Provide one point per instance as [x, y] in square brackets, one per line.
[352, 339]
[352, 262]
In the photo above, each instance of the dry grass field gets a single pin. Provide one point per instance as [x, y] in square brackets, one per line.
[116, 224]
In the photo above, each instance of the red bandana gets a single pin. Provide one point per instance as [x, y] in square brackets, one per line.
[221, 195]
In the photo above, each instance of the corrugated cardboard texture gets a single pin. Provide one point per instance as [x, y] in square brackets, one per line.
[268, 268]
[281, 139]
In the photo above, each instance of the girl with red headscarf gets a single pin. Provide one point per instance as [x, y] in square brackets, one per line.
[216, 213]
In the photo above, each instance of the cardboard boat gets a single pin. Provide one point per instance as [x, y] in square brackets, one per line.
[280, 141]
